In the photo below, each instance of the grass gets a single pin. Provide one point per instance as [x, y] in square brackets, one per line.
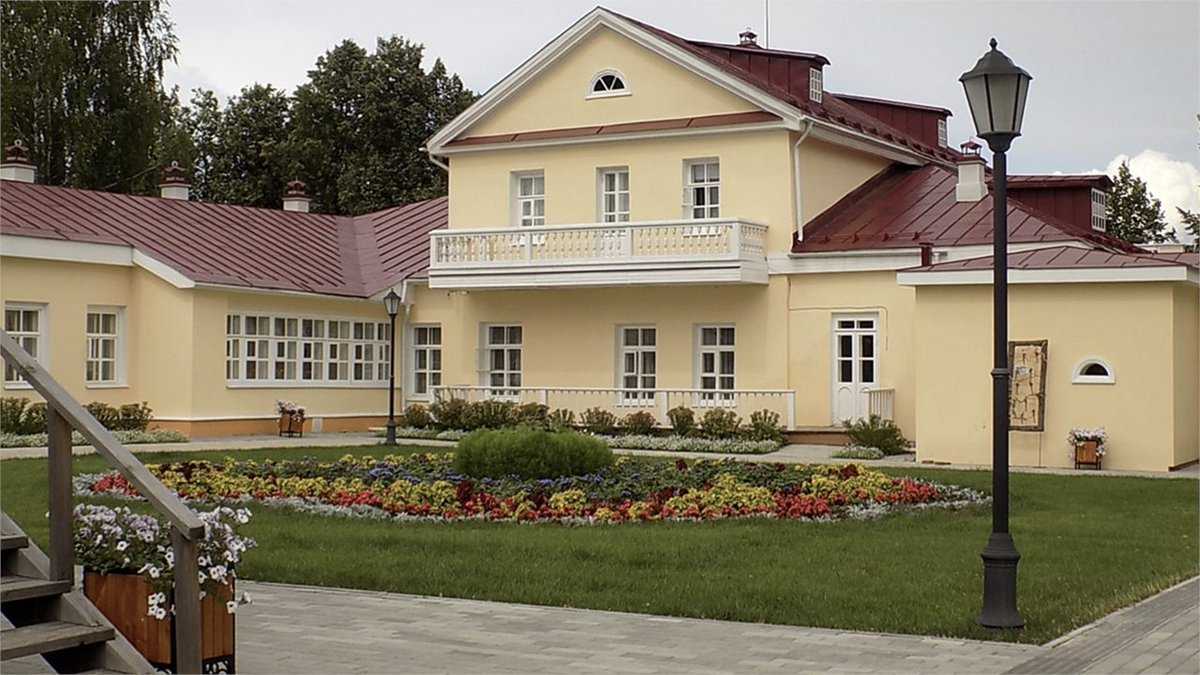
[1090, 545]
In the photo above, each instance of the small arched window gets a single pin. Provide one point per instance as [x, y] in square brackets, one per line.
[1093, 371]
[608, 83]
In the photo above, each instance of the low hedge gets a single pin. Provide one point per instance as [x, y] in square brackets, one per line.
[529, 453]
[124, 437]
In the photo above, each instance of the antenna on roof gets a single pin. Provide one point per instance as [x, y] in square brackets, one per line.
[767, 24]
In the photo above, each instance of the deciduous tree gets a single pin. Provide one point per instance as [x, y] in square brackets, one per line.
[1133, 213]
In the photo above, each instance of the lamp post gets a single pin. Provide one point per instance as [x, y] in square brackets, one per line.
[996, 89]
[391, 302]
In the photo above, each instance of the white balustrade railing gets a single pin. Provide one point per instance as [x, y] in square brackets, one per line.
[881, 402]
[621, 402]
[707, 239]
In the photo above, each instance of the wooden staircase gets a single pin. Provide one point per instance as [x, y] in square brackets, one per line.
[48, 624]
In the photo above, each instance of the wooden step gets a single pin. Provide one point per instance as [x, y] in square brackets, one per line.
[22, 588]
[40, 638]
[10, 541]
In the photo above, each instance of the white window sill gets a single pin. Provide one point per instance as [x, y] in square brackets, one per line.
[267, 384]
[24, 386]
[609, 94]
[106, 385]
[1093, 380]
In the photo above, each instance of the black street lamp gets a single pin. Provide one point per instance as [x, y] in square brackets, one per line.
[391, 302]
[996, 90]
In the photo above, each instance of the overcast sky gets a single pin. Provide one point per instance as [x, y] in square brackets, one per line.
[1111, 80]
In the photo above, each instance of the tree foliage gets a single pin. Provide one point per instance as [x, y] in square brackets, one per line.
[82, 85]
[1133, 213]
[1191, 223]
[243, 149]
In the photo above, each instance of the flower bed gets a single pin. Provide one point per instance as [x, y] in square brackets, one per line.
[124, 437]
[424, 486]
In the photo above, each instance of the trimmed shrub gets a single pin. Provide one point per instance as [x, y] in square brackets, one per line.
[720, 423]
[683, 420]
[561, 420]
[134, 417]
[532, 416]
[108, 416]
[11, 409]
[529, 454]
[417, 416]
[639, 423]
[450, 413]
[598, 421]
[33, 421]
[875, 432]
[764, 426]
[490, 415]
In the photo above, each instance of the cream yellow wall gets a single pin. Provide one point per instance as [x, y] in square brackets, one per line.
[1125, 325]
[813, 302]
[162, 336]
[557, 97]
[1187, 374]
[828, 172]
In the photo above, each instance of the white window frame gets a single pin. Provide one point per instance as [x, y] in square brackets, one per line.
[816, 85]
[1079, 377]
[604, 192]
[117, 339]
[720, 395]
[1099, 210]
[623, 90]
[645, 383]
[421, 343]
[532, 198]
[706, 187]
[39, 339]
[320, 360]
[511, 378]
[942, 134]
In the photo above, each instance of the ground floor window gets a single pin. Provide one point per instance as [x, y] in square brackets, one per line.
[304, 350]
[103, 364]
[716, 362]
[638, 363]
[426, 359]
[25, 323]
[503, 351]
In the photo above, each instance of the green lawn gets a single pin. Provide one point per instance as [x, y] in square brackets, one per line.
[1090, 545]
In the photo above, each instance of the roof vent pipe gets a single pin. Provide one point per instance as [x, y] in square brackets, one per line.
[16, 165]
[294, 197]
[748, 39]
[926, 254]
[971, 186]
[174, 184]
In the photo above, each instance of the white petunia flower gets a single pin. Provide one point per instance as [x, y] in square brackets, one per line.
[122, 545]
[231, 606]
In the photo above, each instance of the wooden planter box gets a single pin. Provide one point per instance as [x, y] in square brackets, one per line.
[1086, 455]
[124, 600]
[291, 426]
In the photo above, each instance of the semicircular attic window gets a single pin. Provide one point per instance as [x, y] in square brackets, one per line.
[608, 83]
[1093, 371]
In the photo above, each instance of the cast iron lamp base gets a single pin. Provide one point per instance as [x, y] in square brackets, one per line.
[1000, 559]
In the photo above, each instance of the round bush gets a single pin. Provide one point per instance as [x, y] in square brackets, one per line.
[529, 454]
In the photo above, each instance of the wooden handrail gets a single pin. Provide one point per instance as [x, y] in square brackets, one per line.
[63, 414]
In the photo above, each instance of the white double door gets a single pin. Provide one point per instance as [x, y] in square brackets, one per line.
[855, 364]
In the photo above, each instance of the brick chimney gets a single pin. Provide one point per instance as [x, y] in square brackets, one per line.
[175, 183]
[748, 39]
[294, 197]
[971, 186]
[16, 165]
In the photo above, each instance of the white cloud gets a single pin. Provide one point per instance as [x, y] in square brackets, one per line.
[1175, 183]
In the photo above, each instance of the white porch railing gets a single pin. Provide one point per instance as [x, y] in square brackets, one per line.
[621, 402]
[712, 239]
[881, 402]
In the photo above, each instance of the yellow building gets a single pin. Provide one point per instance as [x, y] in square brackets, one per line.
[638, 221]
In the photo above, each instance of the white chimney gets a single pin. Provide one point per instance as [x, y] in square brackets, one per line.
[294, 198]
[16, 165]
[175, 183]
[971, 186]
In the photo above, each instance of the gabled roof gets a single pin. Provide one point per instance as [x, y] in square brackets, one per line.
[903, 207]
[234, 245]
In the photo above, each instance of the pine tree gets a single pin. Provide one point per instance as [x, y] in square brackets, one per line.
[1133, 213]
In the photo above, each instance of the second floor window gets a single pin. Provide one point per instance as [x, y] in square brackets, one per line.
[614, 195]
[531, 198]
[703, 189]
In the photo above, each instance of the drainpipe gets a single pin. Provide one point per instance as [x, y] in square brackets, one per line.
[434, 160]
[808, 127]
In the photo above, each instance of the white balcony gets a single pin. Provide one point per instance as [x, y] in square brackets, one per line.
[709, 251]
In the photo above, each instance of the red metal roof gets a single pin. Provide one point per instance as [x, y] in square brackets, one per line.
[233, 245]
[903, 207]
[1068, 257]
[1098, 181]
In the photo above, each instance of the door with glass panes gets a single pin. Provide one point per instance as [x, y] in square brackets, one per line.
[855, 364]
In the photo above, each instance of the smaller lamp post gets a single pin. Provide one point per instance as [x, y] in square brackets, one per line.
[391, 302]
[996, 89]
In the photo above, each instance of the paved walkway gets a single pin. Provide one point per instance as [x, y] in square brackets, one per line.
[298, 629]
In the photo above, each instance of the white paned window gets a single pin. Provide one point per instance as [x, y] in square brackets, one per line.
[305, 351]
[530, 198]
[607, 83]
[426, 359]
[1099, 210]
[637, 364]
[942, 137]
[103, 364]
[614, 195]
[816, 86]
[702, 192]
[26, 324]
[503, 353]
[716, 363]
